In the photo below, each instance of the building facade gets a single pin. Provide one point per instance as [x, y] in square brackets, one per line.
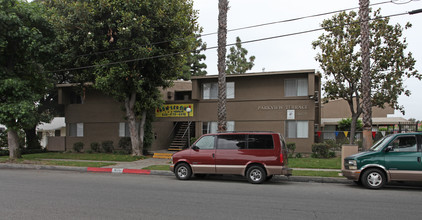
[287, 102]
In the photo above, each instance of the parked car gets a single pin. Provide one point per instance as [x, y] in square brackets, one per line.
[395, 157]
[257, 155]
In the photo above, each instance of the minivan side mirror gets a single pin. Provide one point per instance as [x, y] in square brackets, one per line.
[194, 147]
[388, 149]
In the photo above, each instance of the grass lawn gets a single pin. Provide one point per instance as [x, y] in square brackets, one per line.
[38, 159]
[76, 163]
[83, 156]
[315, 163]
[316, 173]
[157, 167]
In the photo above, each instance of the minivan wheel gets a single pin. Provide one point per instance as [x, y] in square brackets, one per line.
[256, 174]
[183, 171]
[373, 179]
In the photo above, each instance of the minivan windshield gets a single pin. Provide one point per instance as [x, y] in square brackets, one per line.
[381, 143]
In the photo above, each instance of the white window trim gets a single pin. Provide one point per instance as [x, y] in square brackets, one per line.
[207, 90]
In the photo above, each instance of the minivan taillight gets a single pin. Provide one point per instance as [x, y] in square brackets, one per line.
[281, 159]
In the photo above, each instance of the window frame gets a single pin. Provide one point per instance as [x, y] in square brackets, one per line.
[293, 83]
[208, 88]
[287, 129]
[76, 129]
[213, 124]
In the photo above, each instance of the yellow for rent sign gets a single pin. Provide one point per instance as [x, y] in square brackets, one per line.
[174, 110]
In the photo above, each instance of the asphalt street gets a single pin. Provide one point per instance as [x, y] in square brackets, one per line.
[46, 194]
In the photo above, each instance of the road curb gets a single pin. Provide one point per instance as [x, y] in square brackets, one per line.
[159, 172]
[41, 167]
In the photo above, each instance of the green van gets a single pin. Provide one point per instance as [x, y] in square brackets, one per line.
[395, 157]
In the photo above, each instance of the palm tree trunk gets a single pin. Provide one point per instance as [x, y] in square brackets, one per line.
[223, 6]
[366, 77]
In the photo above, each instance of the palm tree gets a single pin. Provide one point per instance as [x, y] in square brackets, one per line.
[223, 6]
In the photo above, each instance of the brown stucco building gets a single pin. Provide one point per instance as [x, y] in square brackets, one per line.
[285, 101]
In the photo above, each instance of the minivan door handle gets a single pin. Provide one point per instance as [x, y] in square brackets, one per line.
[213, 156]
[419, 159]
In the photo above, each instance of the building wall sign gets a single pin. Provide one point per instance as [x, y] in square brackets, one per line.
[281, 107]
[290, 114]
[173, 110]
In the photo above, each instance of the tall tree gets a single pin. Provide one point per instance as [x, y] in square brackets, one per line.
[223, 7]
[237, 63]
[26, 45]
[342, 66]
[194, 65]
[133, 48]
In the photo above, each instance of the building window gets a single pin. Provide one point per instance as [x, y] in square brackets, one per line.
[210, 90]
[296, 87]
[212, 127]
[124, 129]
[297, 129]
[57, 133]
[76, 129]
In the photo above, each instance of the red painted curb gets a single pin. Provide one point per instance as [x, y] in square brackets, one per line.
[96, 169]
[118, 170]
[137, 171]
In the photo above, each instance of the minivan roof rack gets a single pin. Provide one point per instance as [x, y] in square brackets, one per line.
[222, 132]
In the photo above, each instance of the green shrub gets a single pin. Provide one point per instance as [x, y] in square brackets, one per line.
[95, 147]
[3, 139]
[4, 152]
[360, 144]
[90, 151]
[291, 147]
[298, 155]
[332, 144]
[107, 146]
[78, 146]
[321, 150]
[33, 151]
[125, 144]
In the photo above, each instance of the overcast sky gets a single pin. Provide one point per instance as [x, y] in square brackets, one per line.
[295, 52]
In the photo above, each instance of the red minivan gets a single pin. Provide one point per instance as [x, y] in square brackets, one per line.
[257, 155]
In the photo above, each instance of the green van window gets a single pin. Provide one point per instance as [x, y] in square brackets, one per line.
[404, 144]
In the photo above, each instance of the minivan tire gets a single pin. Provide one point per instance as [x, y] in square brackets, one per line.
[183, 171]
[256, 175]
[373, 179]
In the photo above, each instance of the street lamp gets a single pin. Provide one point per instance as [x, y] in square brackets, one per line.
[188, 110]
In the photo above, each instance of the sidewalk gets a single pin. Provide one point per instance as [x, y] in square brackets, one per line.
[136, 167]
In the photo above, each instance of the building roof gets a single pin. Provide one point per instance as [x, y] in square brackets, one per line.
[375, 121]
[256, 74]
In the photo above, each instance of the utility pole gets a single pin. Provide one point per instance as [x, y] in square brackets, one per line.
[223, 7]
[366, 75]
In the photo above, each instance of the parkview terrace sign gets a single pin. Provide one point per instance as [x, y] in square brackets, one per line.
[281, 107]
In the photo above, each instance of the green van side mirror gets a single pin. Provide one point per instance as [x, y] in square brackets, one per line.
[389, 148]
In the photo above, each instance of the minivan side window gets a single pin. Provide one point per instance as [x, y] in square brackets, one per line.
[205, 143]
[236, 142]
[260, 141]
[404, 144]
